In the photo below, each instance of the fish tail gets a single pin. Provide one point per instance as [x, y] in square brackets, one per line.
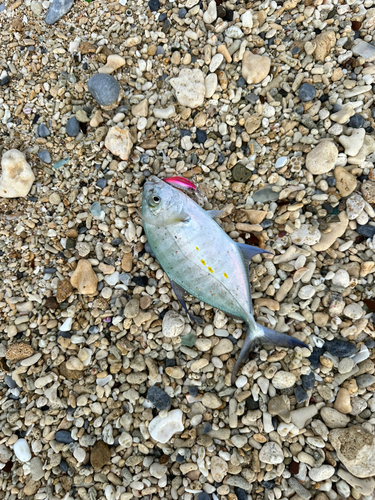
[261, 334]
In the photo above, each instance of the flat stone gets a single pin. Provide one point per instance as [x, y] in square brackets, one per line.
[354, 206]
[17, 176]
[355, 448]
[57, 10]
[333, 418]
[162, 429]
[300, 416]
[189, 87]
[340, 348]
[119, 142]
[306, 235]
[343, 115]
[224, 346]
[173, 324]
[322, 158]
[362, 486]
[100, 455]
[105, 89]
[255, 68]
[72, 127]
[345, 181]
[322, 473]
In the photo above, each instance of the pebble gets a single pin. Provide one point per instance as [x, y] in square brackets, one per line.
[322, 158]
[114, 62]
[345, 181]
[17, 176]
[57, 10]
[100, 455]
[189, 87]
[342, 401]
[22, 450]
[271, 453]
[43, 130]
[84, 278]
[354, 206]
[283, 380]
[219, 468]
[354, 142]
[340, 348]
[333, 418]
[210, 400]
[162, 429]
[72, 127]
[321, 473]
[119, 142]
[306, 235]
[255, 68]
[105, 89]
[173, 324]
[44, 156]
[306, 92]
[159, 398]
[308, 381]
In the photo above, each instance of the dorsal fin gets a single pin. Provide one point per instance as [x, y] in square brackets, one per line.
[248, 251]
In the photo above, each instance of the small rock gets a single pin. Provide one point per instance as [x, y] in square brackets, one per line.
[271, 453]
[367, 188]
[22, 450]
[84, 278]
[337, 230]
[306, 92]
[301, 416]
[210, 400]
[345, 181]
[131, 309]
[173, 324]
[308, 381]
[162, 429]
[17, 176]
[255, 68]
[355, 448]
[75, 364]
[342, 401]
[354, 206]
[57, 10]
[340, 348]
[322, 158]
[100, 455]
[154, 5]
[44, 156]
[119, 142]
[354, 142]
[62, 436]
[280, 405]
[365, 380]
[283, 380]
[321, 473]
[43, 130]
[189, 87]
[114, 62]
[72, 127]
[219, 468]
[306, 235]
[343, 115]
[159, 398]
[341, 278]
[224, 346]
[324, 43]
[211, 13]
[333, 418]
[105, 89]
[140, 109]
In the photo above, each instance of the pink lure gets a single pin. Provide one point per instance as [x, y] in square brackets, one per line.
[180, 182]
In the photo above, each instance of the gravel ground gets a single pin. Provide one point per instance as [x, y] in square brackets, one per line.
[107, 389]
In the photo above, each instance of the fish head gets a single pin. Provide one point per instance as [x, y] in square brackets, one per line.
[161, 203]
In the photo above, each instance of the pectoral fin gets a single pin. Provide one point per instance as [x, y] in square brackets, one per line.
[166, 221]
[215, 214]
[180, 292]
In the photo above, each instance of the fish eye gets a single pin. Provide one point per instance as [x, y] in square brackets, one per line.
[156, 199]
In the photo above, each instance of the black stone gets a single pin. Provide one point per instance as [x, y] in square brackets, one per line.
[43, 130]
[185, 132]
[221, 11]
[314, 357]
[204, 496]
[180, 458]
[10, 382]
[251, 404]
[268, 485]
[340, 348]
[36, 118]
[193, 391]
[241, 82]
[266, 223]
[85, 65]
[308, 381]
[300, 394]
[101, 183]
[159, 398]
[72, 127]
[367, 231]
[64, 437]
[116, 242]
[63, 466]
[140, 280]
[307, 92]
[201, 136]
[168, 362]
[105, 89]
[182, 13]
[356, 121]
[206, 427]
[323, 98]
[154, 5]
[4, 81]
[241, 494]
[162, 17]
[229, 15]
[221, 159]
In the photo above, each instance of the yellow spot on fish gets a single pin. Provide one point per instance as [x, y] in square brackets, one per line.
[196, 248]
[203, 262]
[210, 269]
[225, 275]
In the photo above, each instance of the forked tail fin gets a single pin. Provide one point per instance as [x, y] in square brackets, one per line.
[263, 335]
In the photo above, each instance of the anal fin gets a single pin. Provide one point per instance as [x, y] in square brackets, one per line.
[180, 292]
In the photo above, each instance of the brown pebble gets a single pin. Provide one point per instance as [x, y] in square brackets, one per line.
[100, 455]
[69, 374]
[127, 262]
[145, 302]
[84, 278]
[342, 402]
[64, 290]
[16, 352]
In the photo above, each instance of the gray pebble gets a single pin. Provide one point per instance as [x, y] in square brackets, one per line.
[44, 156]
[105, 89]
[72, 127]
[43, 130]
[57, 10]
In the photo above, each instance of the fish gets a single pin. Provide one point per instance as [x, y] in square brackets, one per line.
[200, 258]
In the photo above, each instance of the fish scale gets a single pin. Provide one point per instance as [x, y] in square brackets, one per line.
[201, 259]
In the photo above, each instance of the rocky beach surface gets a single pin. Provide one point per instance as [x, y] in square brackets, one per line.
[108, 391]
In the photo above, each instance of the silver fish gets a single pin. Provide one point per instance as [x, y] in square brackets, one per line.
[201, 259]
